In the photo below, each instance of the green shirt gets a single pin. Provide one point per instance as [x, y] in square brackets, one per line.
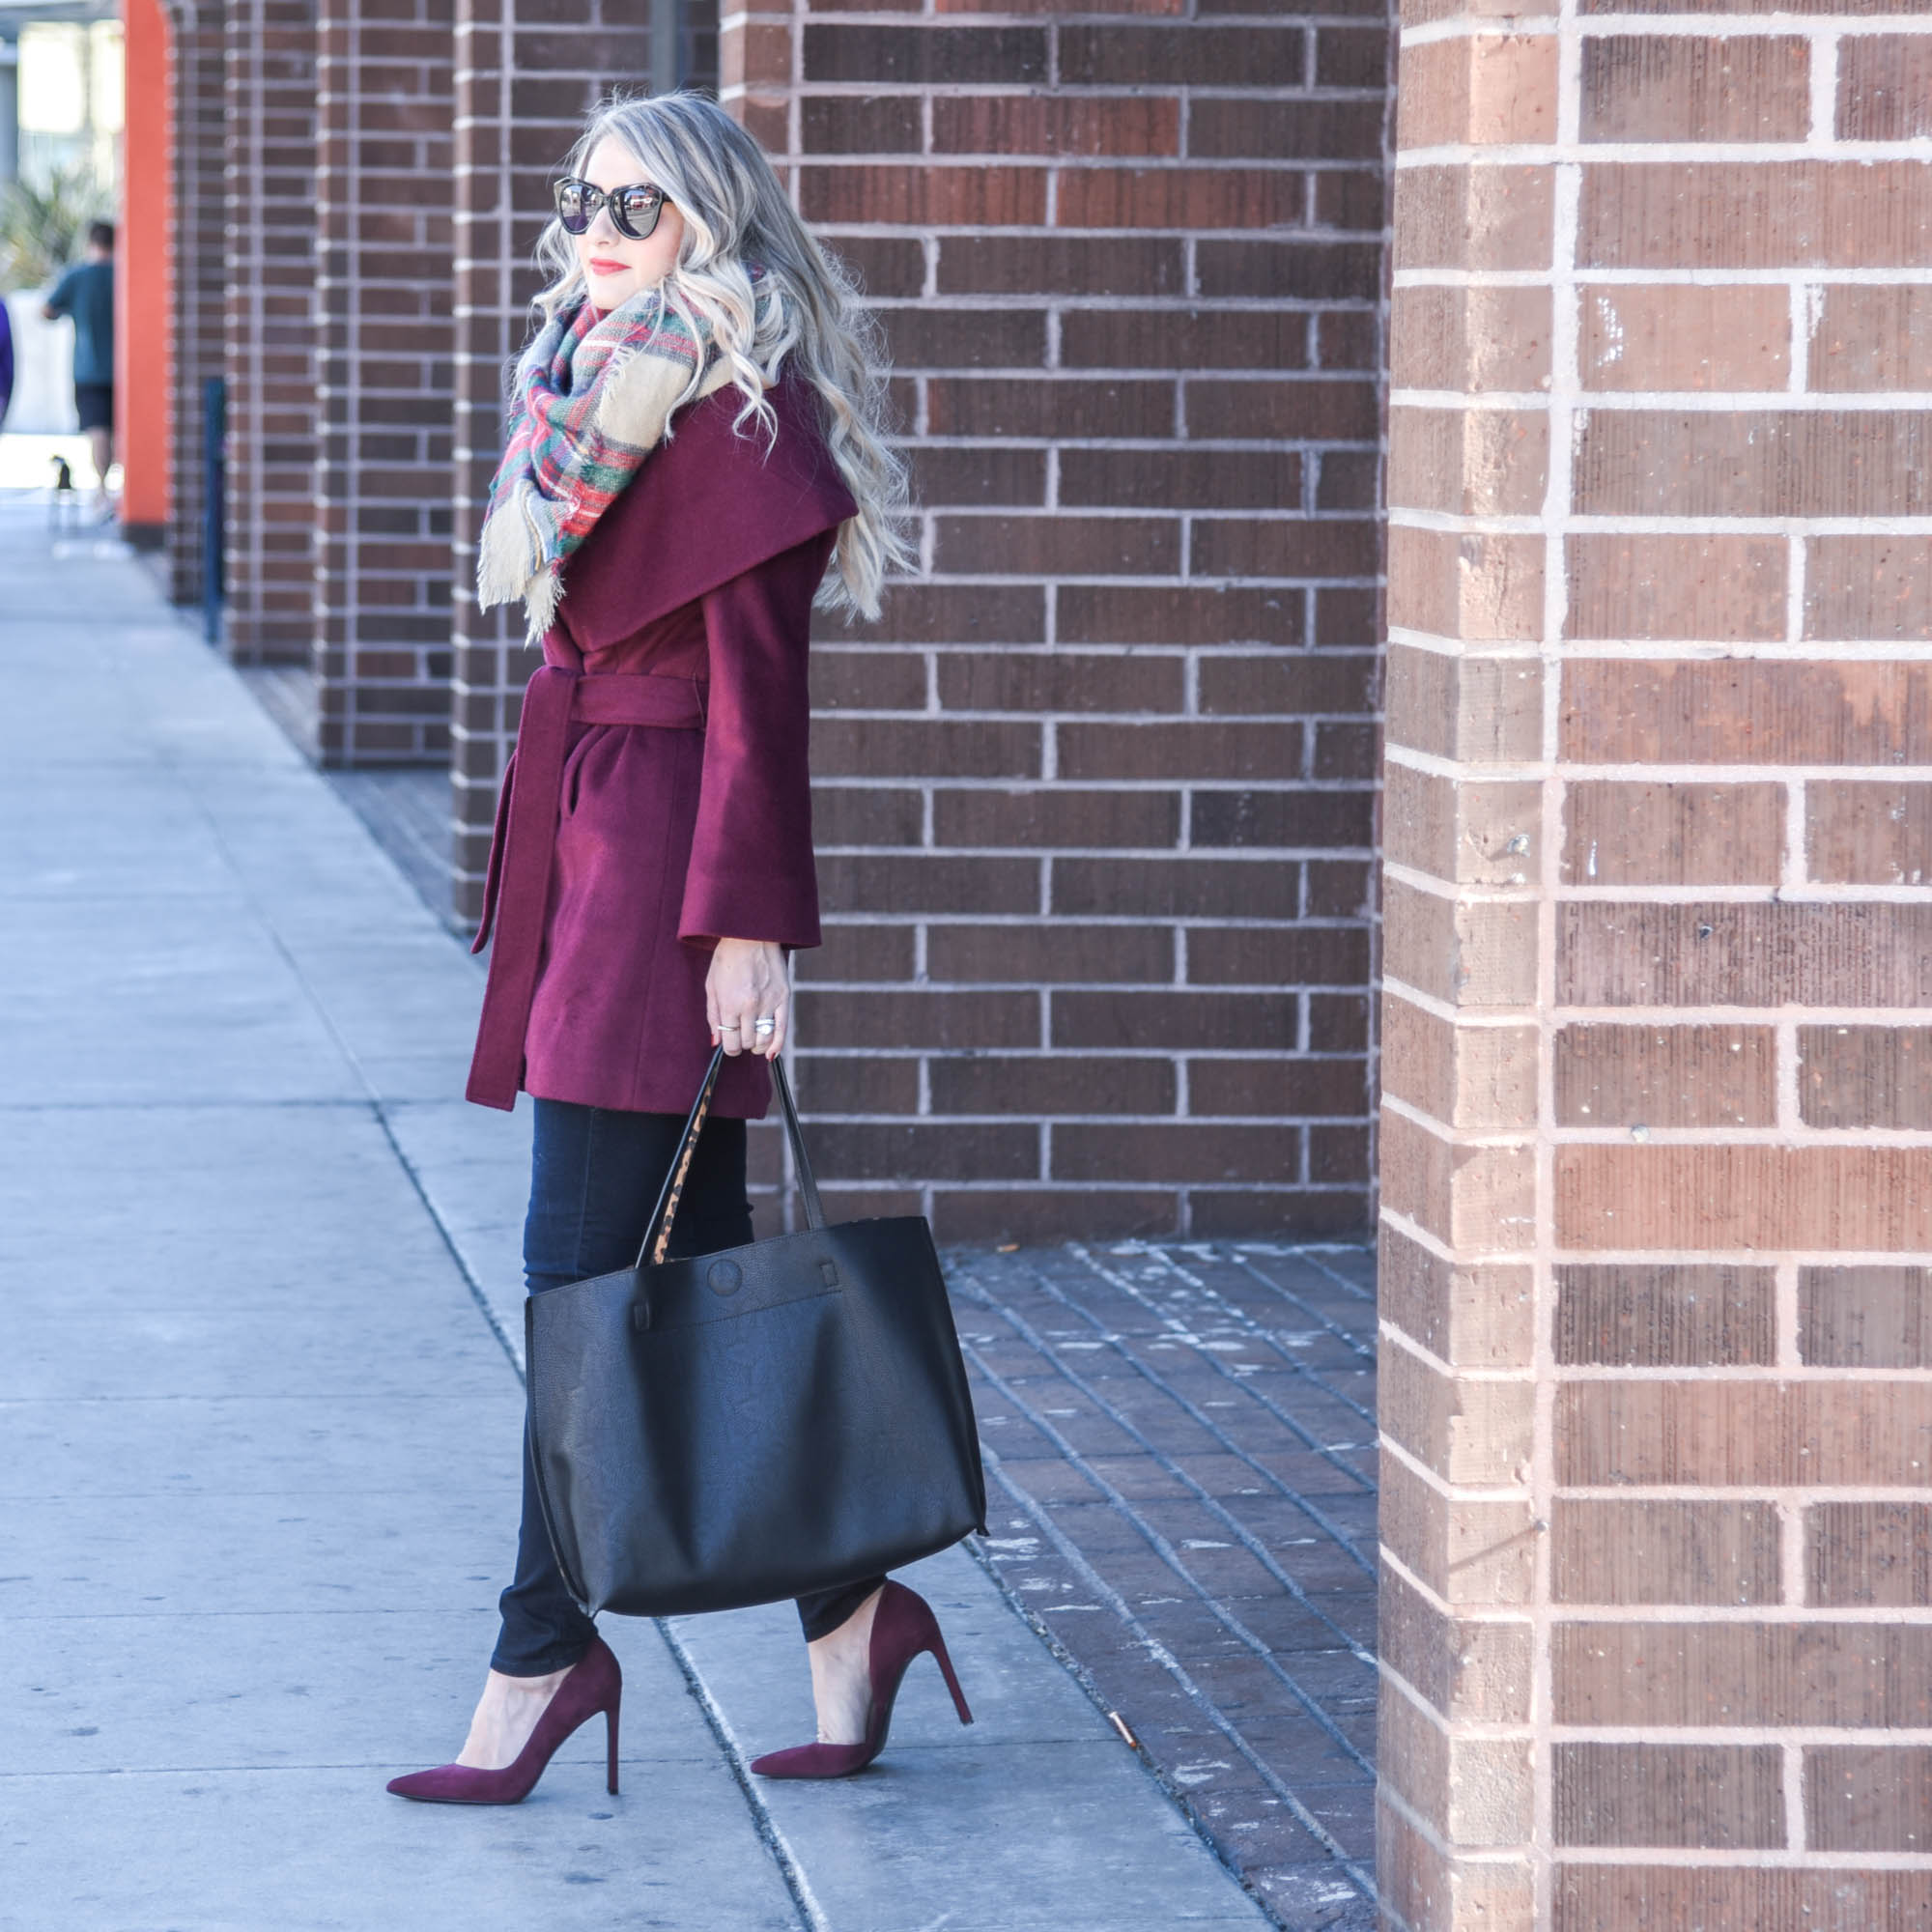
[86, 292]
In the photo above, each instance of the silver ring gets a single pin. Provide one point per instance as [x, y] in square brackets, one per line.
[729, 1026]
[768, 1024]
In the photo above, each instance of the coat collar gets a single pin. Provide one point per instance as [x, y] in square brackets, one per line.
[708, 507]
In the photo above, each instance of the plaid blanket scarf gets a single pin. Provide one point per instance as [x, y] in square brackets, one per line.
[592, 395]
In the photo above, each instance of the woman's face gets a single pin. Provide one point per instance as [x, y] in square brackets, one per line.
[615, 267]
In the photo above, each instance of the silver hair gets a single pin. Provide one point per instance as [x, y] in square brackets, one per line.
[805, 310]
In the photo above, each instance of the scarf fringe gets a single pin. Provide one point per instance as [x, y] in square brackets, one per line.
[541, 596]
[513, 557]
[527, 534]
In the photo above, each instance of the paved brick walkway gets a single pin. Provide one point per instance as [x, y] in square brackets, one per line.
[1181, 1458]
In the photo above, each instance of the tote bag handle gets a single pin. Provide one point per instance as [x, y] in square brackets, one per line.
[656, 1234]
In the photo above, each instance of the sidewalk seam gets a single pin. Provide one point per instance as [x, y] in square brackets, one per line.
[810, 1916]
[374, 1100]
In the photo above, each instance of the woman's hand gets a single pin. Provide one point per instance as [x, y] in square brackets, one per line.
[746, 984]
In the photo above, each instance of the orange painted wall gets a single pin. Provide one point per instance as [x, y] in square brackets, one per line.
[143, 360]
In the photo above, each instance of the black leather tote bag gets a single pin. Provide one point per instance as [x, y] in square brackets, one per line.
[741, 1427]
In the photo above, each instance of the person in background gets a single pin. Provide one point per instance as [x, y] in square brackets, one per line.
[86, 293]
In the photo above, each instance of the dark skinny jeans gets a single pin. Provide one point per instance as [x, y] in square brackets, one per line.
[595, 1174]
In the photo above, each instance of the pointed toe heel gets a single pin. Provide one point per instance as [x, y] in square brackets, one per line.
[903, 1627]
[594, 1687]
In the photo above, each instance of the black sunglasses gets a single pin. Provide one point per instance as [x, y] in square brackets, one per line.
[635, 209]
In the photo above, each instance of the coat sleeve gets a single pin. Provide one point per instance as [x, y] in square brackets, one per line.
[751, 874]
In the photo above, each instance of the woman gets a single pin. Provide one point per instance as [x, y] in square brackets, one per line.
[693, 441]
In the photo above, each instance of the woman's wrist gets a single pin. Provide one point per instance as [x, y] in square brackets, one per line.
[747, 995]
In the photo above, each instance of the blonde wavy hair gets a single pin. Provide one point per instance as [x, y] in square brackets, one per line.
[805, 310]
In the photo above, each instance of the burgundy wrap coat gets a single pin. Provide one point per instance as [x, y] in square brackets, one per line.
[659, 798]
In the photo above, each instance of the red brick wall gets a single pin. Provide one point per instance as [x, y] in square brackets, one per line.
[1095, 813]
[271, 329]
[383, 187]
[1657, 1150]
[1097, 796]
[196, 49]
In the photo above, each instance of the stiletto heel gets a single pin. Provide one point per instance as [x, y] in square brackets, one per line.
[903, 1627]
[611, 1749]
[945, 1662]
[595, 1683]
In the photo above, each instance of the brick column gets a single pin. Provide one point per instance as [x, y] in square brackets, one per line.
[384, 189]
[1658, 1148]
[1095, 817]
[271, 329]
[196, 50]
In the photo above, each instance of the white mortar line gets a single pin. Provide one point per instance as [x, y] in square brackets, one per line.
[1651, 27]
[1449, 1488]
[1653, 523]
[1756, 1493]
[1675, 650]
[1794, 398]
[1749, 1859]
[1564, 402]
[1703, 1374]
[1818, 270]
[1791, 1557]
[1715, 774]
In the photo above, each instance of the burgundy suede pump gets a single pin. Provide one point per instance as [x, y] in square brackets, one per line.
[595, 1683]
[903, 1627]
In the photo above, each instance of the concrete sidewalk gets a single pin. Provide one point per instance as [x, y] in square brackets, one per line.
[259, 1415]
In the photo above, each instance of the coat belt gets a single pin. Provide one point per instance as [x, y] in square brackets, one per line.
[516, 891]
